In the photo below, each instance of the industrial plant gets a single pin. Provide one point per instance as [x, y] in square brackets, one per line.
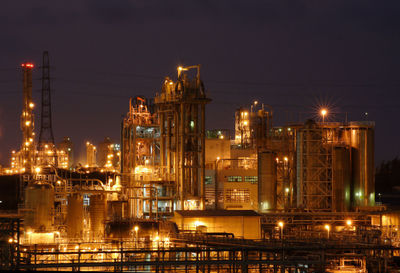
[173, 196]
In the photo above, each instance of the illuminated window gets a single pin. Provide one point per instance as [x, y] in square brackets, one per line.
[234, 178]
[237, 195]
[208, 180]
[252, 179]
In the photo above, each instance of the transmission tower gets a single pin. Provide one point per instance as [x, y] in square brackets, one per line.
[46, 130]
[47, 153]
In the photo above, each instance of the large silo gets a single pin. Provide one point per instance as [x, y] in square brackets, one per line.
[39, 205]
[75, 216]
[266, 181]
[362, 143]
[341, 179]
[97, 211]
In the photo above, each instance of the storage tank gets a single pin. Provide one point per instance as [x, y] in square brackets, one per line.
[75, 216]
[362, 143]
[266, 181]
[341, 179]
[116, 210]
[97, 210]
[39, 205]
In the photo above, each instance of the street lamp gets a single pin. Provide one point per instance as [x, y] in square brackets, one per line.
[328, 228]
[281, 224]
[136, 229]
[324, 112]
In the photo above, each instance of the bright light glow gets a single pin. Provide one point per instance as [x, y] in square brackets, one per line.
[324, 112]
[31, 105]
[286, 158]
[327, 227]
[221, 137]
[218, 158]
[287, 189]
[280, 224]
[10, 240]
[255, 102]
[349, 222]
[245, 122]
[29, 65]
[198, 223]
[37, 169]
[142, 170]
[136, 228]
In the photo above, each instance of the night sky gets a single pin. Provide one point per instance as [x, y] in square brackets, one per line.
[291, 55]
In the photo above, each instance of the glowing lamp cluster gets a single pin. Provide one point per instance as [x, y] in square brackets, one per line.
[28, 65]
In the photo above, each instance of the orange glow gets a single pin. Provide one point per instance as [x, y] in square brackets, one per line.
[28, 65]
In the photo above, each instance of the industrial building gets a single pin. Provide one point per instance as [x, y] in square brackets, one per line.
[271, 198]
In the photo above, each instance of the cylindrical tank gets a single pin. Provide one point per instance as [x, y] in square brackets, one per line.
[266, 181]
[341, 179]
[39, 205]
[75, 216]
[362, 143]
[116, 210]
[97, 210]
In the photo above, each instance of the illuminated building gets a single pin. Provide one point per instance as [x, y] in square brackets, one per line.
[108, 156]
[91, 155]
[65, 153]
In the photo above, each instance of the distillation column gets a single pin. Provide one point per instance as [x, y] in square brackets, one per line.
[27, 120]
[181, 107]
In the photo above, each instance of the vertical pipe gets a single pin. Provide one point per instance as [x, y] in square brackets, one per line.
[168, 144]
[177, 148]
[196, 157]
[203, 158]
[151, 201]
[182, 155]
[162, 141]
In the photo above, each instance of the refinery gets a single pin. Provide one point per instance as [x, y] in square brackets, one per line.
[172, 196]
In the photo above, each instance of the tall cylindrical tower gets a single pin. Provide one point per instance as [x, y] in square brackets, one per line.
[27, 119]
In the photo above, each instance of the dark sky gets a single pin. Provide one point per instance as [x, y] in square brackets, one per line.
[292, 55]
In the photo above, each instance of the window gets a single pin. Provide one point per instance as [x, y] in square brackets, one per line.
[208, 180]
[252, 179]
[237, 195]
[234, 178]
